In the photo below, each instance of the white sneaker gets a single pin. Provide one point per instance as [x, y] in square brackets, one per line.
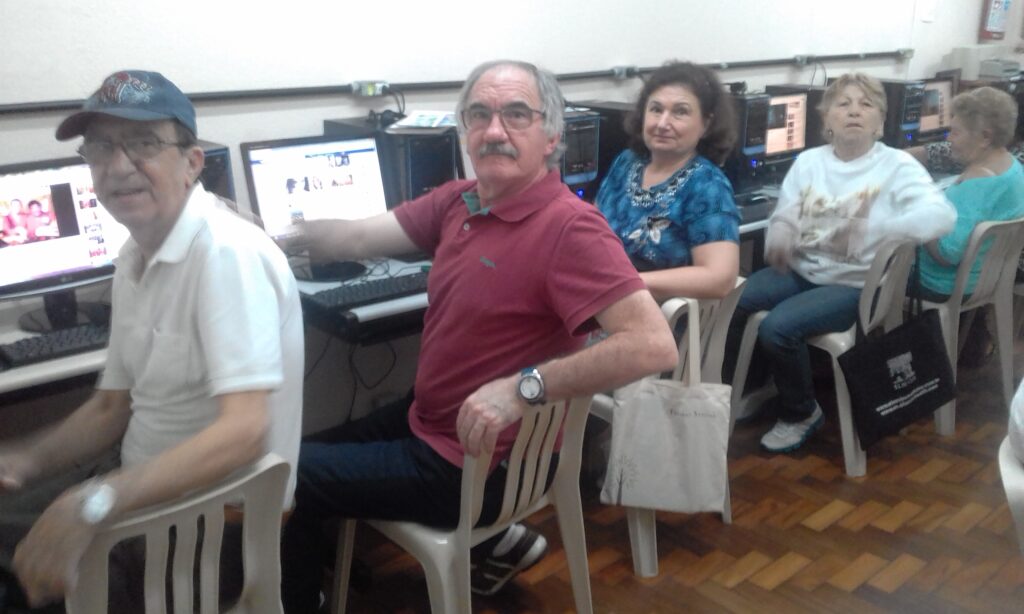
[788, 436]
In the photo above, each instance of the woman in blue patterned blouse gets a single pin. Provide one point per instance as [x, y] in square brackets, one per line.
[665, 197]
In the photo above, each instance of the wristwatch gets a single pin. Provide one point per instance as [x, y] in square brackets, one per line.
[97, 500]
[531, 386]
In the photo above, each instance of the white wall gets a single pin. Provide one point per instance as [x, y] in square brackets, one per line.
[57, 50]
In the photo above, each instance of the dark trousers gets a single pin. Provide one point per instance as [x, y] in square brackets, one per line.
[798, 309]
[369, 468]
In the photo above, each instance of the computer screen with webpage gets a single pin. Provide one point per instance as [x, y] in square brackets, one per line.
[313, 178]
[55, 232]
[936, 105]
[787, 124]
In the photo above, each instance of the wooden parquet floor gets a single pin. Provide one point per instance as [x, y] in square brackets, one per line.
[927, 530]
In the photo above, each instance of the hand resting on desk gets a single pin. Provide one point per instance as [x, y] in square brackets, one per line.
[334, 240]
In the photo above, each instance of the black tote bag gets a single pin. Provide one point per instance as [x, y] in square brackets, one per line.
[898, 377]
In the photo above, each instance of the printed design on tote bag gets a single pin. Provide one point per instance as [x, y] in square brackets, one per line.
[901, 371]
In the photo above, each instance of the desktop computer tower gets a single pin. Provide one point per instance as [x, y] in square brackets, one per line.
[745, 165]
[579, 161]
[216, 175]
[815, 127]
[413, 161]
[903, 118]
[612, 140]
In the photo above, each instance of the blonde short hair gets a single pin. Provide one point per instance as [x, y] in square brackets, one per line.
[871, 87]
[987, 108]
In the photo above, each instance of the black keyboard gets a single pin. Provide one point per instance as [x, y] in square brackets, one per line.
[753, 207]
[351, 295]
[54, 344]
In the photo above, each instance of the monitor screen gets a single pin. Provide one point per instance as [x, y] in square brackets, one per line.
[787, 124]
[314, 178]
[55, 233]
[936, 107]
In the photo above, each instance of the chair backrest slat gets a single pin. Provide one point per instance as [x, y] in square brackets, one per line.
[260, 487]
[528, 463]
[998, 244]
[886, 285]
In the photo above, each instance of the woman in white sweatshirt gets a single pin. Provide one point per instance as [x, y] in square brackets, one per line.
[838, 204]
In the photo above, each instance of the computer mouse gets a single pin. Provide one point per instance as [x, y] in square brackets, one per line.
[336, 271]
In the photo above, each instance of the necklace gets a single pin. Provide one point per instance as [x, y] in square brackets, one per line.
[660, 195]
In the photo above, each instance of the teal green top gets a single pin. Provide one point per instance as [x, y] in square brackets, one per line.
[982, 199]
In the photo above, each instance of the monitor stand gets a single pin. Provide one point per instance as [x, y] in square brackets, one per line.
[336, 271]
[62, 310]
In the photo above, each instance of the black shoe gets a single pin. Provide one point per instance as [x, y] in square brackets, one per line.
[486, 577]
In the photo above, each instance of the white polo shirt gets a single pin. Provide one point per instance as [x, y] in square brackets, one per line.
[215, 311]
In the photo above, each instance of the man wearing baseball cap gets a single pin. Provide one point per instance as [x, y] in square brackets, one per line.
[205, 361]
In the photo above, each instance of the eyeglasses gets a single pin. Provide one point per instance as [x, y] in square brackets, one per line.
[513, 117]
[137, 149]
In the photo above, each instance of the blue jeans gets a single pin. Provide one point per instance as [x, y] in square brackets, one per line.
[798, 309]
[369, 468]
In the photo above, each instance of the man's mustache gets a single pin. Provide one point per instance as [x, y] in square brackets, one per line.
[498, 149]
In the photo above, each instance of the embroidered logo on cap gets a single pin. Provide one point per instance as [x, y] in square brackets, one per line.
[123, 88]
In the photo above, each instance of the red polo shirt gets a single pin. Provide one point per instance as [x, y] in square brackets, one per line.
[511, 287]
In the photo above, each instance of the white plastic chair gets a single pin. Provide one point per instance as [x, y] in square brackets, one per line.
[994, 287]
[1012, 472]
[444, 554]
[706, 328]
[881, 304]
[260, 489]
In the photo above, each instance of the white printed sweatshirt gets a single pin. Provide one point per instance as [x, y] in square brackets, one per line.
[844, 211]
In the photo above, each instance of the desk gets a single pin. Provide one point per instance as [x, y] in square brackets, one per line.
[754, 231]
[43, 372]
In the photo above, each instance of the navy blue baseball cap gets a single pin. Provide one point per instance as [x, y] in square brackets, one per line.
[137, 95]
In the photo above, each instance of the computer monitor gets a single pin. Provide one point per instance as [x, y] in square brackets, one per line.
[314, 178]
[936, 105]
[55, 237]
[787, 124]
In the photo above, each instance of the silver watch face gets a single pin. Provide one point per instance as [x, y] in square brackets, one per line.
[97, 504]
[530, 387]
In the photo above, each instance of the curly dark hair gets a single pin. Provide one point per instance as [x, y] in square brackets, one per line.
[715, 105]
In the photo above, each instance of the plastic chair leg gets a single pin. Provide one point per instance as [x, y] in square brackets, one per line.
[569, 510]
[448, 583]
[727, 504]
[945, 417]
[643, 541]
[343, 566]
[1003, 338]
[741, 403]
[853, 455]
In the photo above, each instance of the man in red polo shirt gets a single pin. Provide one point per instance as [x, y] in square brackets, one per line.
[522, 270]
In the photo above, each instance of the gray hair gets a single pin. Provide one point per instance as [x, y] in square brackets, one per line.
[987, 108]
[552, 104]
[871, 87]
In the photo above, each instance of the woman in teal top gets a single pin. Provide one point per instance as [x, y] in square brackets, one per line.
[990, 188]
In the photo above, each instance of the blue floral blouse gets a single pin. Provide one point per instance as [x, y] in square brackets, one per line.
[659, 227]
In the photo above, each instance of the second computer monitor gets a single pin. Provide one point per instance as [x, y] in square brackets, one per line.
[936, 105]
[313, 178]
[787, 121]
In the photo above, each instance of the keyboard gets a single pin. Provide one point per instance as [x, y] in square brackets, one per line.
[753, 207]
[54, 344]
[351, 295]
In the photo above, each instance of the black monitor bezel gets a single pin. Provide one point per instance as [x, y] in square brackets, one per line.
[59, 282]
[247, 147]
